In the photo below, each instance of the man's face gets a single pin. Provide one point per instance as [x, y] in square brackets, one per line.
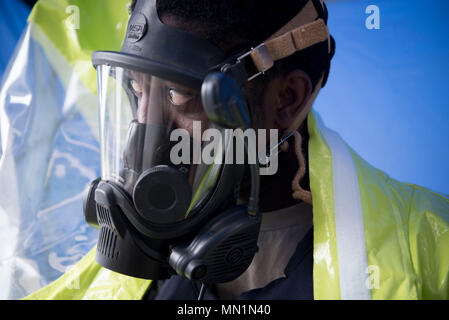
[273, 103]
[180, 104]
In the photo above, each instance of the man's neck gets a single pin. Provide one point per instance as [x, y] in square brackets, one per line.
[276, 190]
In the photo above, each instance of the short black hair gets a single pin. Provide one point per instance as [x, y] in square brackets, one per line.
[247, 23]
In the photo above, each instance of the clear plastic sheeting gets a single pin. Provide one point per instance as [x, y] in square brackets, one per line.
[49, 152]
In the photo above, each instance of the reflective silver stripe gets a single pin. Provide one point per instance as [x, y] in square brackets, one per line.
[350, 232]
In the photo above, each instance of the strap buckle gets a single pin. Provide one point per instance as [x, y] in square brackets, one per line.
[261, 59]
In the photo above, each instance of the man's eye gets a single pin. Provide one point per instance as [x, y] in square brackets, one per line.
[179, 98]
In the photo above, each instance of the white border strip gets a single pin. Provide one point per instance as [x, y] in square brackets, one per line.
[350, 232]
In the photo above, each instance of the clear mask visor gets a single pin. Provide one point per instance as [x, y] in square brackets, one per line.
[148, 123]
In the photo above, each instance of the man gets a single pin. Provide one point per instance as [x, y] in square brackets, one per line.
[332, 226]
[275, 100]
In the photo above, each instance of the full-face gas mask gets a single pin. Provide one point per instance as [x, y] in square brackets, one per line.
[160, 208]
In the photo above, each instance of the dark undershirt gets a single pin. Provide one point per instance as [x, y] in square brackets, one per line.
[296, 285]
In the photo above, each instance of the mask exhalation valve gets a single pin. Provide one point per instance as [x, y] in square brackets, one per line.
[222, 251]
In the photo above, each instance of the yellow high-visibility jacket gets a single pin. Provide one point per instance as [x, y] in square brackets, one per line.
[374, 238]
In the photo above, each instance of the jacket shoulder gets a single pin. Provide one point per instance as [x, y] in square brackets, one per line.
[429, 241]
[411, 220]
[87, 280]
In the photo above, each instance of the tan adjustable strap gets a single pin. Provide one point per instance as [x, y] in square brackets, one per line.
[289, 43]
[306, 15]
[301, 32]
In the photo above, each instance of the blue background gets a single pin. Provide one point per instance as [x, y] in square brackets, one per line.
[388, 92]
[13, 15]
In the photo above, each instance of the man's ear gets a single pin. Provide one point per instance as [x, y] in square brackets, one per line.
[294, 91]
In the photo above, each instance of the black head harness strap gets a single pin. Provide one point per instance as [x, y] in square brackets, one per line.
[169, 53]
